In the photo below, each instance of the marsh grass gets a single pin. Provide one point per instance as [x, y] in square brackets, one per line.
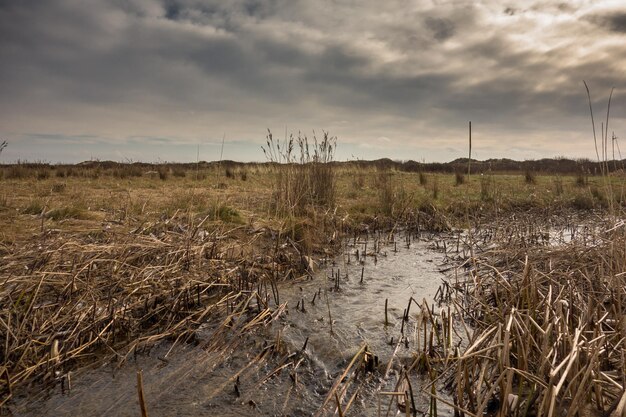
[147, 247]
[304, 174]
[68, 212]
[15, 172]
[582, 179]
[43, 174]
[599, 196]
[459, 178]
[385, 188]
[179, 172]
[558, 185]
[487, 188]
[58, 187]
[358, 180]
[116, 295]
[423, 180]
[435, 188]
[548, 321]
[225, 214]
[126, 171]
[550, 333]
[34, 207]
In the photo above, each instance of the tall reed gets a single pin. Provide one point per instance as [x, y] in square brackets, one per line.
[304, 173]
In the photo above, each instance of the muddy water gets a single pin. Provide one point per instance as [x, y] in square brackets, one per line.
[191, 381]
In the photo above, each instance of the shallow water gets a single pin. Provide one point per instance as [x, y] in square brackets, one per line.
[191, 381]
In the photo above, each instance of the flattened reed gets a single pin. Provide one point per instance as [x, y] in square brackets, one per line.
[70, 299]
[549, 326]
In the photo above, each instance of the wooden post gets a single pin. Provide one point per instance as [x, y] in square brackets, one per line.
[469, 161]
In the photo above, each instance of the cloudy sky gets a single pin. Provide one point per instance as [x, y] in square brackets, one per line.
[153, 80]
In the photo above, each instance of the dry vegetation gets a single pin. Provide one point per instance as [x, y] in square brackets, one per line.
[102, 261]
[548, 323]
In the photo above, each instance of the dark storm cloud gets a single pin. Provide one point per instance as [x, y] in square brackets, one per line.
[614, 21]
[618, 22]
[442, 29]
[510, 11]
[176, 69]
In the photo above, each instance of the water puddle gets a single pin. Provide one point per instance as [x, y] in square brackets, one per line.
[326, 318]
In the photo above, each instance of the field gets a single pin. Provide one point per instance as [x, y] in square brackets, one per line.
[101, 262]
[81, 199]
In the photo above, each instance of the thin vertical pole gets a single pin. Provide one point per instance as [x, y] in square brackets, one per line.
[469, 160]
[198, 163]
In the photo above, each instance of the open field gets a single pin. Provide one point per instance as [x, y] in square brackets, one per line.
[102, 263]
[129, 195]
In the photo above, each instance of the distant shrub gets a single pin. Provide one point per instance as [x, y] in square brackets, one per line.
[34, 207]
[385, 192]
[423, 179]
[229, 173]
[226, 214]
[58, 187]
[163, 173]
[487, 188]
[43, 174]
[599, 196]
[16, 172]
[127, 171]
[243, 174]
[179, 172]
[530, 177]
[581, 179]
[558, 185]
[459, 178]
[582, 202]
[358, 180]
[435, 188]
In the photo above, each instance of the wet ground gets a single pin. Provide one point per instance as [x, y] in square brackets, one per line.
[289, 366]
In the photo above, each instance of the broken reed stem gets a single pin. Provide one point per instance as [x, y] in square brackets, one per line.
[340, 379]
[547, 321]
[140, 394]
[386, 317]
[330, 317]
[119, 292]
[338, 405]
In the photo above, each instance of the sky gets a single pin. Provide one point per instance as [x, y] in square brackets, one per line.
[169, 80]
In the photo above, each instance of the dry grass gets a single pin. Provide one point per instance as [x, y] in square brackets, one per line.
[106, 264]
[544, 326]
[72, 298]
